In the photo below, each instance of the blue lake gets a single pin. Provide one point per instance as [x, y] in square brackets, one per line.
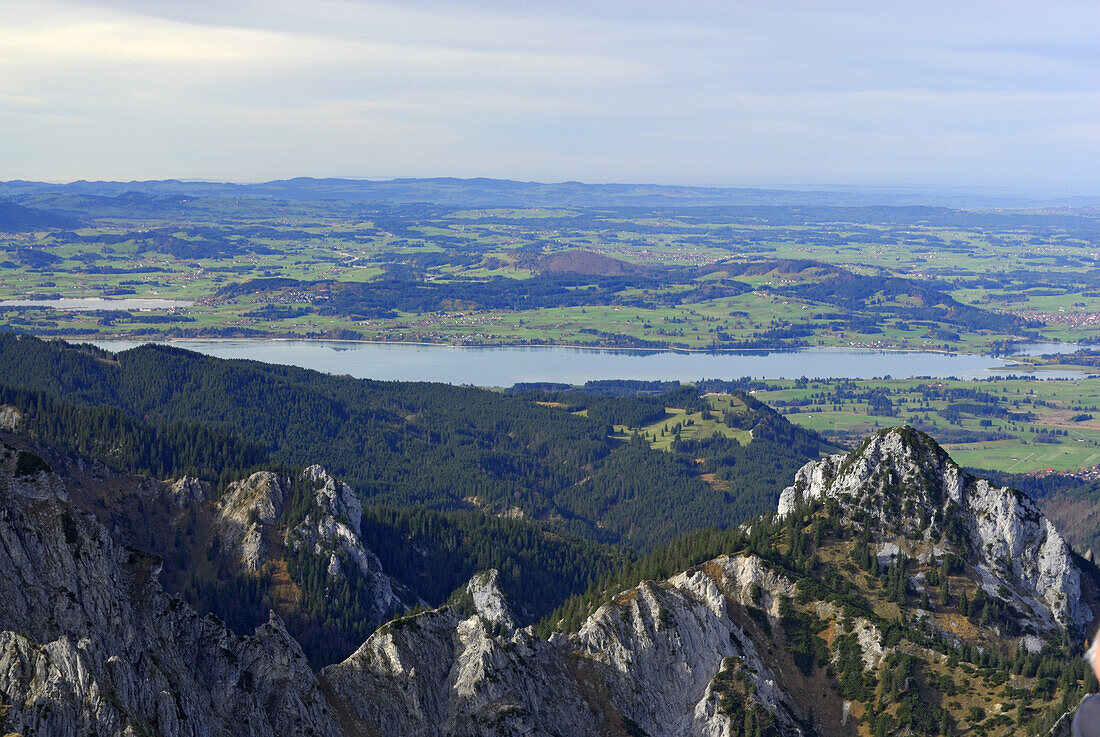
[505, 366]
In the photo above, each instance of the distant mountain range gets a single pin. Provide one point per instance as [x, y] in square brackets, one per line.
[481, 192]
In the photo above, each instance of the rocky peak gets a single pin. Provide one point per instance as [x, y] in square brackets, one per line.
[758, 640]
[678, 639]
[10, 418]
[905, 491]
[259, 497]
[185, 491]
[261, 518]
[332, 529]
[245, 509]
[489, 600]
[336, 498]
[895, 476]
[667, 658]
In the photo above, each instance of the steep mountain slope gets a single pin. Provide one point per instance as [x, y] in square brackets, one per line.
[880, 601]
[91, 644]
[909, 490]
[645, 664]
[298, 543]
[325, 526]
[268, 542]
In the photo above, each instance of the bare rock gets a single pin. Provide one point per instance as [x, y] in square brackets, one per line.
[245, 509]
[911, 489]
[91, 644]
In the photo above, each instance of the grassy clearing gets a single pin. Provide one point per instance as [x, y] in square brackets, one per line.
[691, 425]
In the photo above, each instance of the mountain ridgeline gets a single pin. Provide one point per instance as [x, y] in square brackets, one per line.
[503, 193]
[446, 481]
[891, 594]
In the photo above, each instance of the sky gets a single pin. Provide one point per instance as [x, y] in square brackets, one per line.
[967, 93]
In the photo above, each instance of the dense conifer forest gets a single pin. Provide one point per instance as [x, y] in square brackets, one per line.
[168, 412]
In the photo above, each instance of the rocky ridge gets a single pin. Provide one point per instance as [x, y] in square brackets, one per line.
[91, 644]
[332, 529]
[250, 510]
[913, 492]
[267, 541]
[714, 650]
[759, 640]
[649, 661]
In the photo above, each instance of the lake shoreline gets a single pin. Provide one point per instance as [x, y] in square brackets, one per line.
[504, 366]
[572, 346]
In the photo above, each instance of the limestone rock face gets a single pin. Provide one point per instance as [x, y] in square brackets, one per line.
[332, 530]
[250, 515]
[439, 674]
[91, 644]
[10, 418]
[336, 499]
[246, 508]
[489, 600]
[651, 660]
[672, 640]
[910, 488]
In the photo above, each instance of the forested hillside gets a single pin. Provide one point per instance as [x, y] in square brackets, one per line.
[542, 485]
[201, 537]
[167, 412]
[892, 591]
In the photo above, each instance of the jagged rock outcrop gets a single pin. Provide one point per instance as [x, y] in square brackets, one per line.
[910, 489]
[332, 530]
[91, 644]
[246, 508]
[251, 513]
[10, 418]
[653, 660]
[438, 673]
[489, 600]
[185, 492]
[670, 641]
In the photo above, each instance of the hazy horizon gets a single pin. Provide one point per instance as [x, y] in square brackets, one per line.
[990, 190]
[790, 95]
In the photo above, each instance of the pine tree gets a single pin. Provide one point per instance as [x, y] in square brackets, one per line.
[945, 723]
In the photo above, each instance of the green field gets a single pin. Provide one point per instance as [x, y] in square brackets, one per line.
[691, 425]
[1043, 424]
[767, 278]
[1011, 425]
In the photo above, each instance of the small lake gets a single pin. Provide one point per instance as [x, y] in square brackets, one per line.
[505, 366]
[97, 304]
